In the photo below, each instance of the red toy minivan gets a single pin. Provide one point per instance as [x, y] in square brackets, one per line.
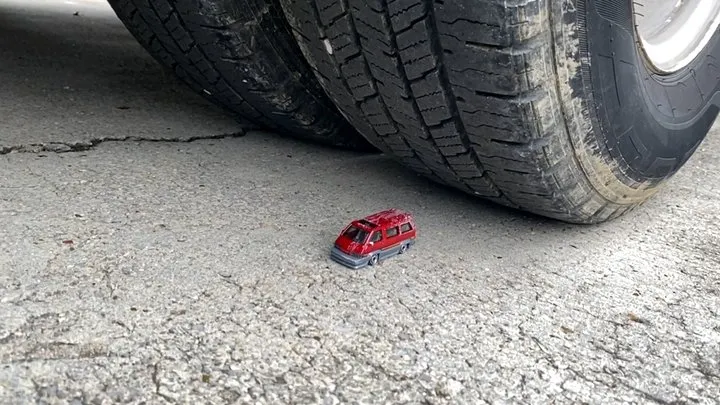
[378, 236]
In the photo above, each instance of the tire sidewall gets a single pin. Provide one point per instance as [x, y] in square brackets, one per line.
[631, 128]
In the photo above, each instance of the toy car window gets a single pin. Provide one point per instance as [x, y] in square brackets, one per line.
[392, 232]
[356, 234]
[376, 236]
[405, 227]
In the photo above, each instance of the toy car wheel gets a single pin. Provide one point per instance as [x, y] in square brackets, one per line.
[374, 260]
[403, 249]
[575, 110]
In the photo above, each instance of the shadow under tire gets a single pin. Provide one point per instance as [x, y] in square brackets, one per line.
[547, 106]
[241, 55]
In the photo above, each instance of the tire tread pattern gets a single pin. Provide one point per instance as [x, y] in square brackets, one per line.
[461, 91]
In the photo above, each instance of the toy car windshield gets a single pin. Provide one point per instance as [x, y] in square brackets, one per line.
[356, 234]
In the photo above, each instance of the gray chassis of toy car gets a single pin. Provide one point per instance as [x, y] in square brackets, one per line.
[357, 262]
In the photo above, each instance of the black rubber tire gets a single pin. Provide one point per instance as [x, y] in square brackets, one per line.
[241, 55]
[542, 105]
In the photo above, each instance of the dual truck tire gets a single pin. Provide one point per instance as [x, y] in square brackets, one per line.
[548, 106]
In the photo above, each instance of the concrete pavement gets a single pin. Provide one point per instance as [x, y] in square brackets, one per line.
[198, 272]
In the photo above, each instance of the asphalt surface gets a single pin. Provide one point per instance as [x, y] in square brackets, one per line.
[198, 272]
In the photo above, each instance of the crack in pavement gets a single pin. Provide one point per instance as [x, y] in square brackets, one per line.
[156, 381]
[81, 146]
[648, 396]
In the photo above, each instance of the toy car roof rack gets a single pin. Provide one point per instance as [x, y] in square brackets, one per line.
[367, 223]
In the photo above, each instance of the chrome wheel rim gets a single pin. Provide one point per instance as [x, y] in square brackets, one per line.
[673, 32]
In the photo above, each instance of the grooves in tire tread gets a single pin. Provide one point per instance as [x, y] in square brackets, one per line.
[461, 90]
